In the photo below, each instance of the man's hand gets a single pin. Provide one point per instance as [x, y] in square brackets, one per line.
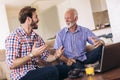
[66, 60]
[71, 61]
[96, 42]
[59, 52]
[35, 52]
[39, 50]
[56, 55]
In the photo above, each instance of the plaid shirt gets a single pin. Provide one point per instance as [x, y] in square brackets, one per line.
[19, 44]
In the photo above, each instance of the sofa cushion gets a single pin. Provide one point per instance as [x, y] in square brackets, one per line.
[50, 43]
[4, 71]
[2, 55]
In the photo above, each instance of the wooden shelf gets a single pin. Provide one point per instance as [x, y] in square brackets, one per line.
[100, 28]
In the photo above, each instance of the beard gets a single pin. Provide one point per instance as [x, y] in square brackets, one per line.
[70, 24]
[34, 25]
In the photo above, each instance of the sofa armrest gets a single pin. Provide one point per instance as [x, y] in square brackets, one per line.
[4, 71]
[2, 55]
[50, 43]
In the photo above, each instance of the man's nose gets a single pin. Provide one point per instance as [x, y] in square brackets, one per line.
[66, 20]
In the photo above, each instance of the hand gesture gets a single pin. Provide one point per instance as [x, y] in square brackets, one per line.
[37, 51]
[96, 42]
[59, 52]
[71, 61]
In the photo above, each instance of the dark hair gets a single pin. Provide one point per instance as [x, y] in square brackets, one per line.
[26, 12]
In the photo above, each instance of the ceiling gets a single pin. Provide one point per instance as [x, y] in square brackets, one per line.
[42, 4]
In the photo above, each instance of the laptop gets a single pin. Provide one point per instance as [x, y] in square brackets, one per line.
[110, 58]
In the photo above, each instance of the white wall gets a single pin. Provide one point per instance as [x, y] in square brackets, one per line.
[114, 16]
[50, 23]
[62, 7]
[4, 29]
[12, 14]
[84, 12]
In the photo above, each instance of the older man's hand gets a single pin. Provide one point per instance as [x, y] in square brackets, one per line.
[96, 42]
[70, 62]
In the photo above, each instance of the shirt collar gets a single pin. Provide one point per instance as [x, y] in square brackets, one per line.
[23, 33]
[77, 30]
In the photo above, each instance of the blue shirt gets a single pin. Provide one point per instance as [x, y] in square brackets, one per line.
[74, 43]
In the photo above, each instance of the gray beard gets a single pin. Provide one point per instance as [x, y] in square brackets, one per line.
[71, 24]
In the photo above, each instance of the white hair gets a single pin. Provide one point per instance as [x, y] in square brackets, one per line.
[74, 10]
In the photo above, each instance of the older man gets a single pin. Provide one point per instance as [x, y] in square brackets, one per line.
[74, 38]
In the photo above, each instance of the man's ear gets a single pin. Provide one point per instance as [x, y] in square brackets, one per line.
[28, 19]
[76, 18]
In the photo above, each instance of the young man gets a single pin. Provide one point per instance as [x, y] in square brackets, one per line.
[24, 47]
[74, 38]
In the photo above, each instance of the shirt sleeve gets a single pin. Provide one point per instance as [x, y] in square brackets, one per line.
[90, 34]
[58, 41]
[12, 49]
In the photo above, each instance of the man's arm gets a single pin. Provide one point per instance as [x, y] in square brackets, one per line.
[64, 59]
[20, 61]
[56, 55]
[96, 42]
[68, 61]
[35, 53]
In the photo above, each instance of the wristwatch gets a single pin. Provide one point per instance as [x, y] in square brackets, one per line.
[31, 55]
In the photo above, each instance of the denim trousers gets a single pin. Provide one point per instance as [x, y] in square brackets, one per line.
[44, 73]
[92, 57]
[57, 72]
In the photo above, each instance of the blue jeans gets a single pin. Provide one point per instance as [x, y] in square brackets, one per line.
[45, 73]
[92, 57]
[58, 72]
[63, 71]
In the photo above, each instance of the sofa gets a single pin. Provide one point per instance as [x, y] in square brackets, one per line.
[5, 72]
